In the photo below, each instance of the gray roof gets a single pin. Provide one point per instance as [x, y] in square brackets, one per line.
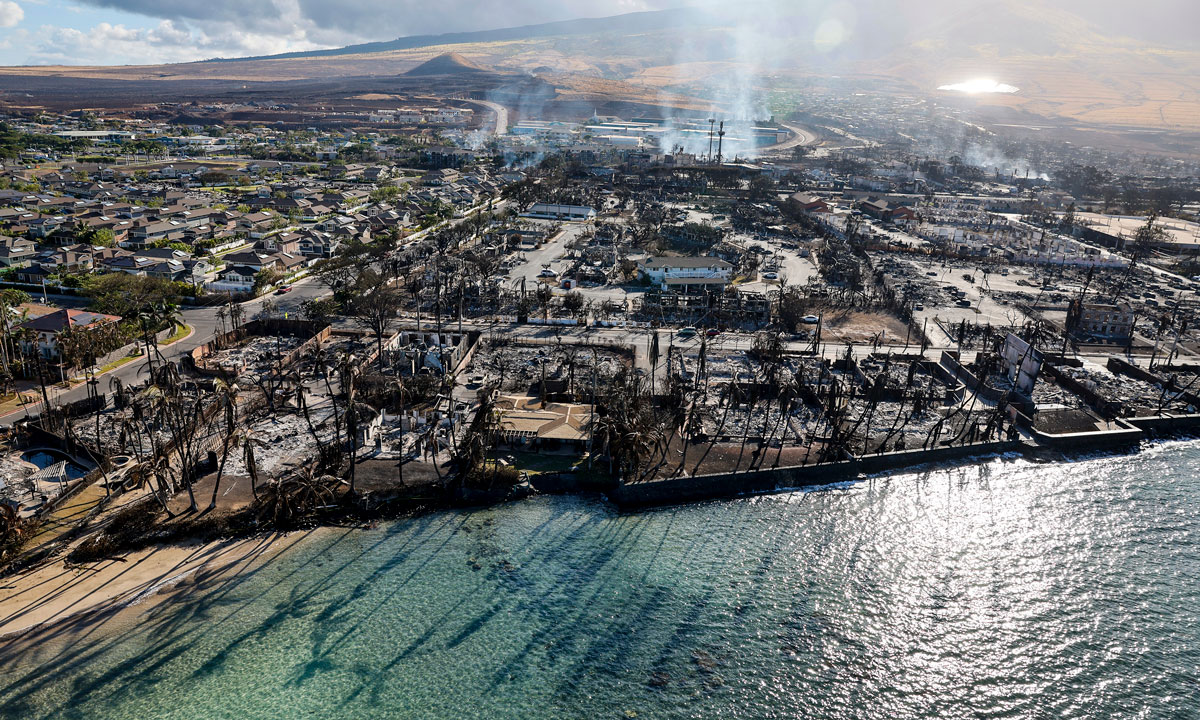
[655, 263]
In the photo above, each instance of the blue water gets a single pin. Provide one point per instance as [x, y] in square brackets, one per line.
[1001, 590]
[45, 458]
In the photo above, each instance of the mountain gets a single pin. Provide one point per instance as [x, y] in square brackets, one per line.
[1070, 59]
[622, 24]
[447, 64]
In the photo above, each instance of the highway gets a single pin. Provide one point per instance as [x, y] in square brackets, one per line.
[501, 113]
[801, 137]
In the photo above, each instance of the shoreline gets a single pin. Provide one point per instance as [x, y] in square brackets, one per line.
[58, 594]
[54, 602]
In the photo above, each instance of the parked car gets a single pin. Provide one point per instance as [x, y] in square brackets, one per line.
[771, 276]
[687, 332]
[810, 319]
[547, 273]
[283, 290]
[712, 332]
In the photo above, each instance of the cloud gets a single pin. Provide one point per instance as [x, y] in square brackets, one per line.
[10, 13]
[167, 41]
[325, 23]
[181, 30]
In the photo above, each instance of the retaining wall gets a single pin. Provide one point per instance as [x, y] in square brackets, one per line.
[1126, 435]
[1167, 424]
[701, 487]
[1120, 367]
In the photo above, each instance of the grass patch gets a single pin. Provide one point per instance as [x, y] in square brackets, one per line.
[118, 363]
[181, 331]
[10, 403]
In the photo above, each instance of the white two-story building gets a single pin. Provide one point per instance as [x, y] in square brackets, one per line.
[687, 274]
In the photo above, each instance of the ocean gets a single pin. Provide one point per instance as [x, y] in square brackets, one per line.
[1002, 589]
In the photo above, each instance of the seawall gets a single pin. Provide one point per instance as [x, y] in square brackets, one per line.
[703, 487]
[1128, 434]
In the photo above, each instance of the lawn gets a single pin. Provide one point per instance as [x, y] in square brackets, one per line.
[181, 331]
[118, 363]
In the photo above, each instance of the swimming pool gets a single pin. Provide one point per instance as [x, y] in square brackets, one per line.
[45, 457]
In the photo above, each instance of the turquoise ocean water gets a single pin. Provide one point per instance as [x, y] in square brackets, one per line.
[1005, 589]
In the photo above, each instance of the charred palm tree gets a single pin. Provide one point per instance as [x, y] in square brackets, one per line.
[731, 397]
[226, 398]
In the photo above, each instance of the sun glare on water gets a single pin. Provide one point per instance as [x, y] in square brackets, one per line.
[979, 86]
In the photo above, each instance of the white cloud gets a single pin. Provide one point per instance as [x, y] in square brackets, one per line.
[10, 13]
[309, 24]
[188, 30]
[168, 41]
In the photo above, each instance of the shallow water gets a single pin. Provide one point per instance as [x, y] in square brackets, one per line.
[1007, 589]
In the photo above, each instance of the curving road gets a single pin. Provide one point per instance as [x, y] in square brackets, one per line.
[799, 137]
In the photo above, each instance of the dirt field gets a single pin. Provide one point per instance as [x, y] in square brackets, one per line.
[862, 327]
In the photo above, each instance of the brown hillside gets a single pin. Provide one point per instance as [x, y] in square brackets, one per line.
[447, 64]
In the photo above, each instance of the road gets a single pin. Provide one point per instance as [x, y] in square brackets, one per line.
[551, 254]
[801, 137]
[793, 267]
[499, 111]
[203, 321]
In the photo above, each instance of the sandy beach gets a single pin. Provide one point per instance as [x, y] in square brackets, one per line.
[56, 592]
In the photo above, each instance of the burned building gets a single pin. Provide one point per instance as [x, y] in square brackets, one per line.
[1101, 321]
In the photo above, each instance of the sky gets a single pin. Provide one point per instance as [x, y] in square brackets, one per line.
[137, 32]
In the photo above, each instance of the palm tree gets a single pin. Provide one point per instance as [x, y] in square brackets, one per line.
[222, 313]
[236, 314]
[251, 464]
[226, 398]
[348, 374]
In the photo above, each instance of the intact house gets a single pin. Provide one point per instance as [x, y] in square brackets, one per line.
[17, 253]
[156, 232]
[238, 276]
[885, 212]
[687, 274]
[809, 203]
[235, 279]
[47, 329]
[527, 422]
[256, 224]
[34, 274]
[438, 178]
[317, 245]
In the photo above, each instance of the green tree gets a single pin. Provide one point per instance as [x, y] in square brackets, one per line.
[127, 295]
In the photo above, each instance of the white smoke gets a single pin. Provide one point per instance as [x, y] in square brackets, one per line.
[734, 88]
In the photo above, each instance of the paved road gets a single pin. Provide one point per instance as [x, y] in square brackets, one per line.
[501, 113]
[801, 137]
[203, 321]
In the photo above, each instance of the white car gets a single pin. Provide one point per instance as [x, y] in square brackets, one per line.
[770, 276]
[810, 319]
[547, 273]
